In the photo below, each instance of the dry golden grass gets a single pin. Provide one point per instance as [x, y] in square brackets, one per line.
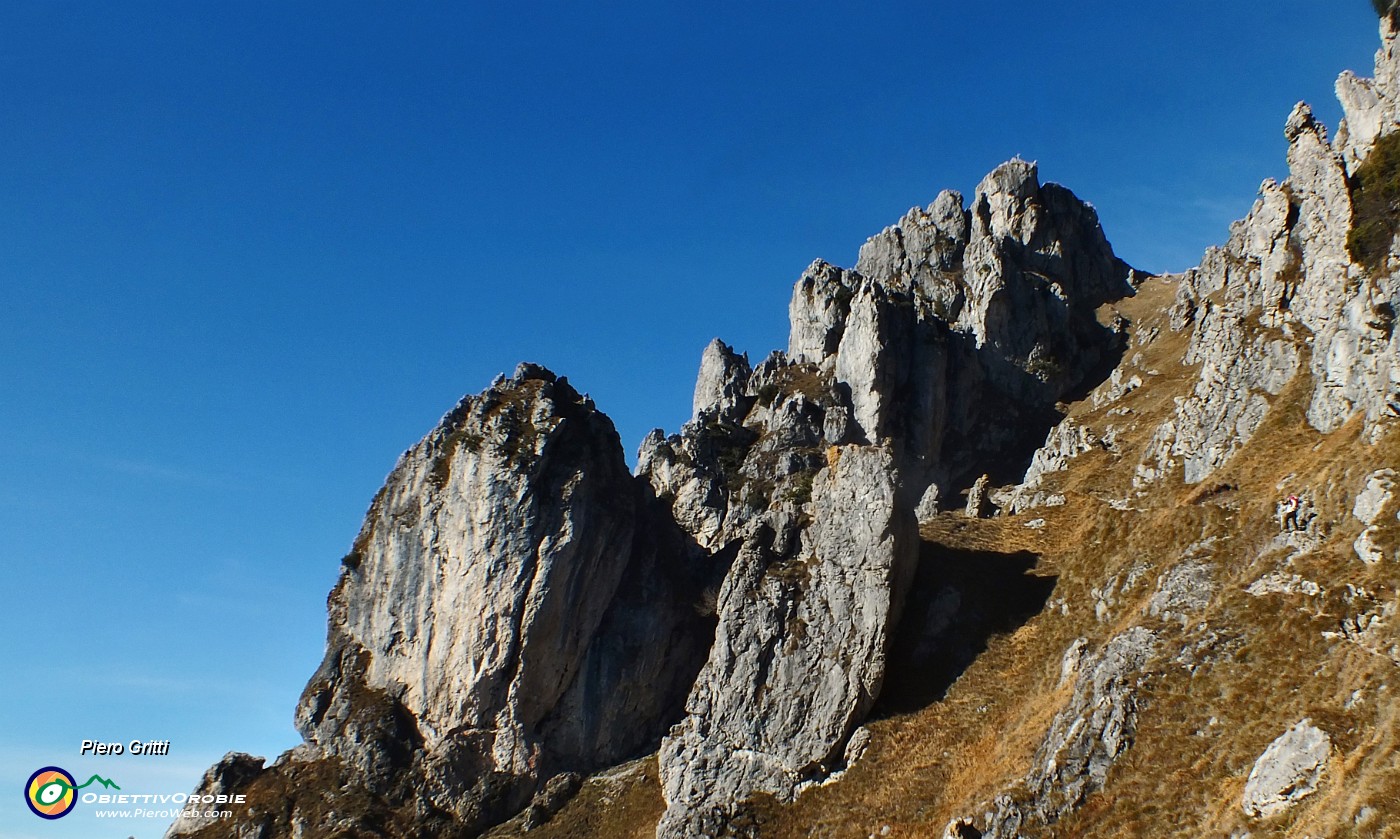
[624, 803]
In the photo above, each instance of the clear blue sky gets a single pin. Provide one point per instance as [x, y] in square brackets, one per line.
[249, 252]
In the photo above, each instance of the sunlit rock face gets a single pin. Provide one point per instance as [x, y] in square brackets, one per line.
[1283, 297]
[799, 655]
[517, 605]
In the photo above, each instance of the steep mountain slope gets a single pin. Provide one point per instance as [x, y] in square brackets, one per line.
[993, 548]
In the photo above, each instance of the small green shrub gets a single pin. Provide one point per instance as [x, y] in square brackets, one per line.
[800, 491]
[1375, 201]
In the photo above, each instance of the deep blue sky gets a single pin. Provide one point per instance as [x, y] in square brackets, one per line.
[249, 252]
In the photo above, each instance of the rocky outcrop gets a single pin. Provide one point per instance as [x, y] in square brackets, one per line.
[1375, 497]
[805, 620]
[976, 506]
[224, 778]
[1373, 508]
[1184, 590]
[724, 376]
[1283, 296]
[514, 607]
[990, 311]
[951, 342]
[961, 328]
[1064, 443]
[1288, 770]
[1085, 739]
[1247, 349]
[1371, 106]
[812, 542]
[738, 458]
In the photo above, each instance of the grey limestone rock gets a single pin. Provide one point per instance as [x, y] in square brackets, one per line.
[991, 311]
[1370, 107]
[928, 505]
[976, 506]
[961, 327]
[515, 606]
[724, 376]
[1373, 505]
[727, 466]
[1367, 546]
[1375, 497]
[516, 508]
[817, 313]
[1065, 442]
[1087, 736]
[555, 793]
[1282, 296]
[682, 472]
[799, 652]
[1096, 727]
[1036, 267]
[1115, 388]
[1288, 770]
[1276, 582]
[924, 250]
[1183, 590]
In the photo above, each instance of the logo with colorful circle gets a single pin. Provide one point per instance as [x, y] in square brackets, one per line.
[51, 792]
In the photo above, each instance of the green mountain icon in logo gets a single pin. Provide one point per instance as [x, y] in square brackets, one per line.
[64, 787]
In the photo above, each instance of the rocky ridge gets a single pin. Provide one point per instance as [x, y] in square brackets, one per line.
[872, 359]
[519, 611]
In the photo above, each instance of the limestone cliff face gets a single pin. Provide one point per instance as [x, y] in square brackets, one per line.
[799, 655]
[516, 507]
[514, 607]
[925, 366]
[1283, 298]
[960, 328]
[950, 342]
